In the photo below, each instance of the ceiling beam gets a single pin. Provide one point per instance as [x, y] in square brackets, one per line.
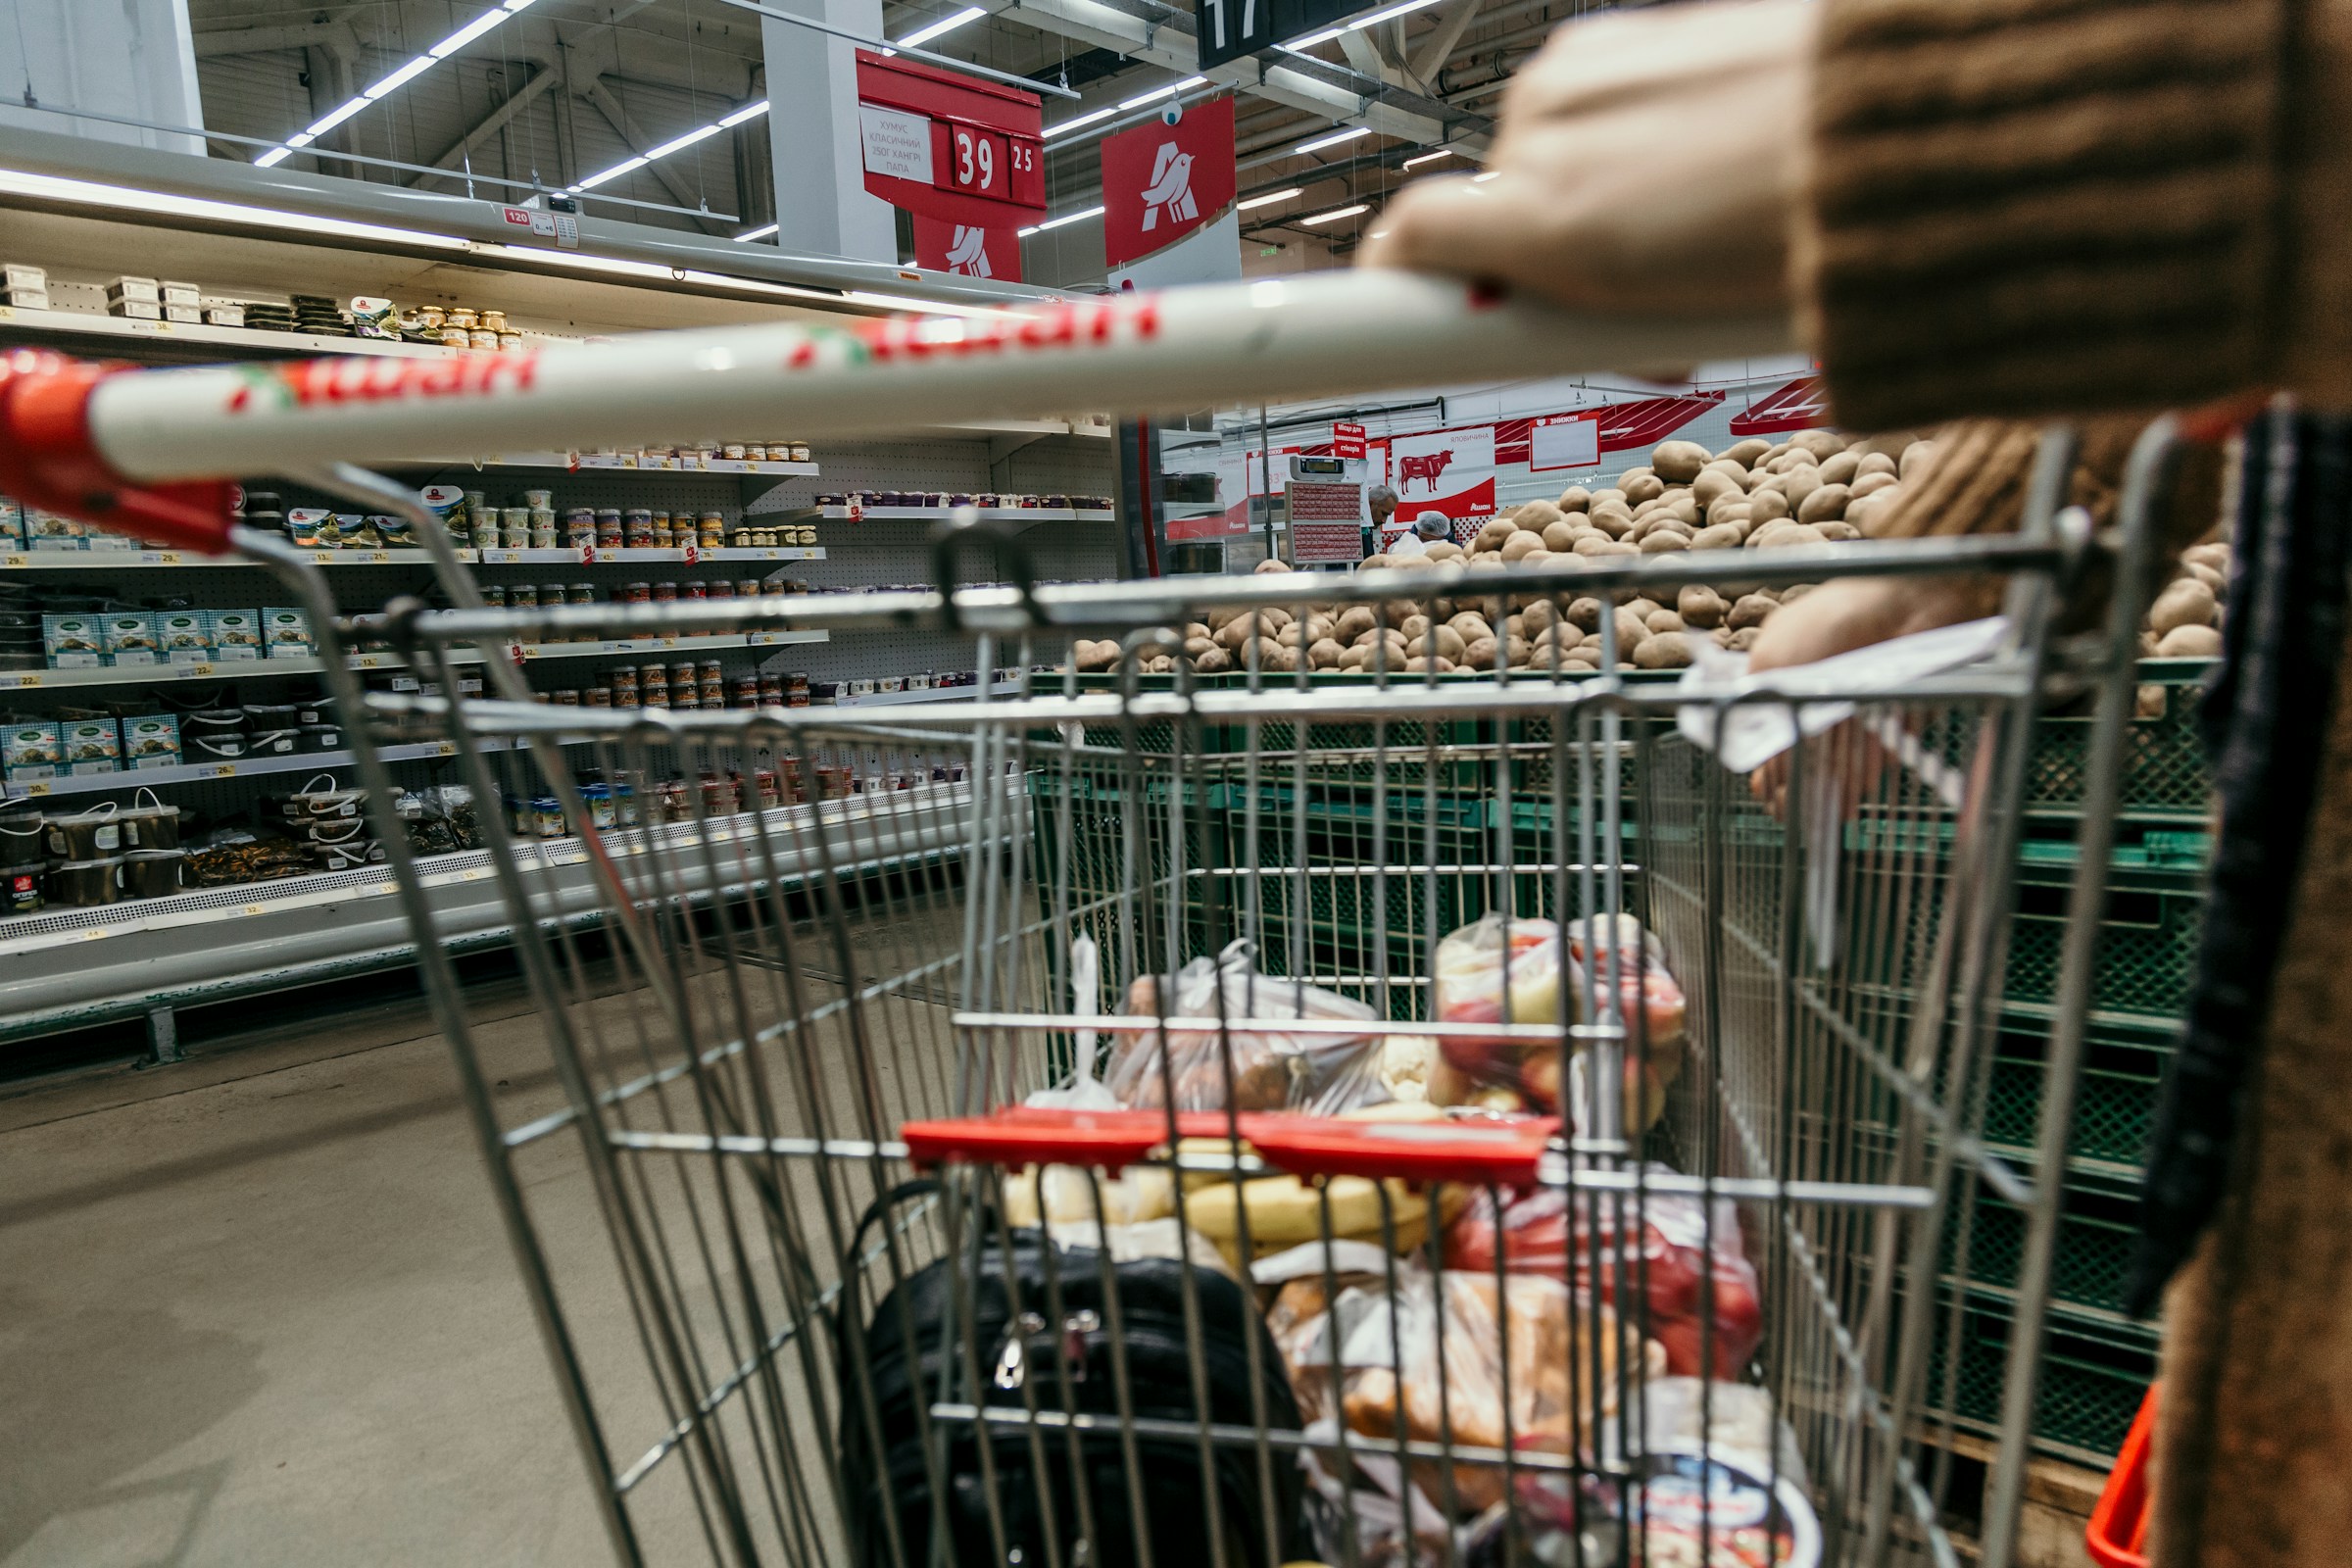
[1436, 46]
[337, 35]
[543, 77]
[638, 142]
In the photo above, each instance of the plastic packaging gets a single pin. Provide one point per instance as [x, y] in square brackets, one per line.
[1322, 1074]
[1490, 972]
[1668, 1265]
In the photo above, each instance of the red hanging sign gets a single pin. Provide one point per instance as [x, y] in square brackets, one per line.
[948, 146]
[968, 249]
[1346, 440]
[1161, 181]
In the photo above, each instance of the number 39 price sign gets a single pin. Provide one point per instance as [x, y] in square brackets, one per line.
[965, 157]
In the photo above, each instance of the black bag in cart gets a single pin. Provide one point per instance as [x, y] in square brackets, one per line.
[939, 1297]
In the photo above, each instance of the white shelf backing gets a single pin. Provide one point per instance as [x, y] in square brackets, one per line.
[166, 560]
[259, 668]
[987, 513]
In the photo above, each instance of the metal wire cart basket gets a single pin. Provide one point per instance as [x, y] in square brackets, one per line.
[1377, 1118]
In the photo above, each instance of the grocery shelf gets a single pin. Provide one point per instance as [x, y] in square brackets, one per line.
[89, 324]
[70, 968]
[236, 669]
[608, 462]
[152, 560]
[987, 513]
[934, 694]
[131, 779]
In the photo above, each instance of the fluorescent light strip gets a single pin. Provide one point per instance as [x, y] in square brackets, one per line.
[1267, 200]
[1089, 119]
[762, 232]
[924, 35]
[678, 144]
[127, 199]
[1338, 212]
[615, 172]
[1480, 179]
[1428, 158]
[1067, 218]
[1350, 133]
[395, 81]
[1095, 116]
[675, 144]
[1301, 45]
[747, 111]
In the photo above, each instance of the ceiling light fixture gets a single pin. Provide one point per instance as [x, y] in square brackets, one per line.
[392, 83]
[1347, 133]
[1338, 212]
[1301, 45]
[762, 232]
[1480, 179]
[1428, 158]
[1095, 116]
[675, 144]
[924, 35]
[1267, 200]
[1067, 218]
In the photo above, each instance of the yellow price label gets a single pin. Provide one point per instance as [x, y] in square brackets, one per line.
[323, 557]
[29, 680]
[194, 672]
[448, 748]
[221, 770]
[379, 557]
[19, 560]
[167, 558]
[469, 876]
[257, 909]
[37, 789]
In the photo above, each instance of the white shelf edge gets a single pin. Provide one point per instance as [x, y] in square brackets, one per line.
[989, 514]
[89, 324]
[131, 779]
[935, 694]
[589, 463]
[238, 668]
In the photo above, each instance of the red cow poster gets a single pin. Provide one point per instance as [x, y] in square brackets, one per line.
[941, 246]
[1161, 181]
[1443, 470]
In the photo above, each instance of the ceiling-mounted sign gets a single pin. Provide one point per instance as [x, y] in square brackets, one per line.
[1451, 472]
[968, 249]
[1230, 28]
[949, 147]
[1167, 178]
[1563, 441]
[1346, 439]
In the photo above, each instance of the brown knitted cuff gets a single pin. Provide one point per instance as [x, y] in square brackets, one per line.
[2026, 206]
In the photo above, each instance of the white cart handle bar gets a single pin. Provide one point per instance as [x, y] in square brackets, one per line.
[150, 451]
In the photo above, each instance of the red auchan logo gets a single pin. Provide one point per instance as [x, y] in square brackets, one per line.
[327, 383]
[1134, 318]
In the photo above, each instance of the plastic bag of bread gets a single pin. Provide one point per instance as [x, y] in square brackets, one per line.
[1450, 1336]
[1674, 1255]
[1493, 971]
[1266, 1068]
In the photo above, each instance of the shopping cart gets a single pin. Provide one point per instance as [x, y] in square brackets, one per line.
[988, 1112]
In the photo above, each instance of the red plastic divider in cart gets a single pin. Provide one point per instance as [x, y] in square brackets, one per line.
[2118, 1533]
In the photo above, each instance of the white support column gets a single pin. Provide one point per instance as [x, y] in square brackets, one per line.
[134, 58]
[822, 201]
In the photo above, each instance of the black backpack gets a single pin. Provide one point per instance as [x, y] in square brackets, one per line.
[1151, 1305]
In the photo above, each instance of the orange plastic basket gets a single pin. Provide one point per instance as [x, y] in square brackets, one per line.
[2118, 1533]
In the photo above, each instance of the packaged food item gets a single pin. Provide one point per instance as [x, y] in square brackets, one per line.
[90, 746]
[1270, 1070]
[74, 642]
[81, 884]
[46, 530]
[1493, 971]
[287, 632]
[448, 503]
[236, 633]
[186, 635]
[130, 638]
[151, 740]
[1674, 1255]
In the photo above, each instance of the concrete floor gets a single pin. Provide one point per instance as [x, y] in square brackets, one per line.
[258, 1307]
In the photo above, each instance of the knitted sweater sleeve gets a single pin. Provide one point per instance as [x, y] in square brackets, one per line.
[2035, 207]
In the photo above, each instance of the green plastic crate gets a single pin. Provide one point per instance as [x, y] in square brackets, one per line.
[2090, 1262]
[2089, 1389]
[2115, 1099]
[2165, 777]
[2147, 939]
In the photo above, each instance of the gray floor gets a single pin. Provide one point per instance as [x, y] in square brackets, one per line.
[257, 1308]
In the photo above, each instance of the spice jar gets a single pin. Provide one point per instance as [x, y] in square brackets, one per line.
[600, 697]
[638, 593]
[484, 527]
[494, 321]
[771, 691]
[524, 596]
[796, 689]
[640, 535]
[747, 588]
[714, 684]
[494, 596]
[665, 593]
[625, 682]
[713, 526]
[745, 692]
[800, 452]
[695, 588]
[581, 593]
[566, 697]
[654, 682]
[721, 588]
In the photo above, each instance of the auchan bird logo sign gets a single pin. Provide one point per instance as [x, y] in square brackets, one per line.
[970, 250]
[1166, 178]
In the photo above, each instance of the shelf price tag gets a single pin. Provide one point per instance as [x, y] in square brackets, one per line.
[37, 789]
[221, 770]
[18, 561]
[192, 671]
[449, 748]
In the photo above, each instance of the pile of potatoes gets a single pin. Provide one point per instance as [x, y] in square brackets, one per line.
[1816, 487]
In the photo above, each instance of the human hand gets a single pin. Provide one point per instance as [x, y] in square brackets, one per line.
[1645, 162]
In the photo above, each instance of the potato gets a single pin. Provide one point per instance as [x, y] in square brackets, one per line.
[1271, 564]
[2204, 574]
[1915, 459]
[1869, 484]
[1836, 530]
[1442, 640]
[1215, 661]
[1413, 626]
[1713, 484]
[1743, 640]
[1576, 498]
[1791, 460]
[1631, 629]
[1798, 483]
[1766, 505]
[1233, 634]
[1353, 622]
[1664, 540]
[2214, 557]
[1590, 546]
[1700, 606]
[1479, 654]
[1422, 664]
[1719, 536]
[1793, 592]
[2190, 642]
[1491, 534]
[2184, 602]
[1829, 501]
[1614, 520]
[1559, 537]
[1785, 535]
[1325, 654]
[1290, 636]
[1471, 625]
[1744, 453]
[1195, 647]
[1887, 444]
[1220, 618]
[1160, 665]
[1609, 496]
[1517, 545]
[1867, 463]
[1669, 650]
[1655, 521]
[1443, 550]
[1658, 621]
[1823, 444]
[1515, 650]
[1678, 460]
[1749, 611]
[1839, 467]
[1582, 614]
[1536, 515]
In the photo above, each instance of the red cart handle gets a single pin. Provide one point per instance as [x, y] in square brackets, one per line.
[1491, 1152]
[47, 459]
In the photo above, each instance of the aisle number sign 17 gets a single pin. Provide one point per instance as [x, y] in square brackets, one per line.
[1230, 28]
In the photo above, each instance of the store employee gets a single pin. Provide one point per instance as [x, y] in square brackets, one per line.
[1428, 529]
[1381, 502]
